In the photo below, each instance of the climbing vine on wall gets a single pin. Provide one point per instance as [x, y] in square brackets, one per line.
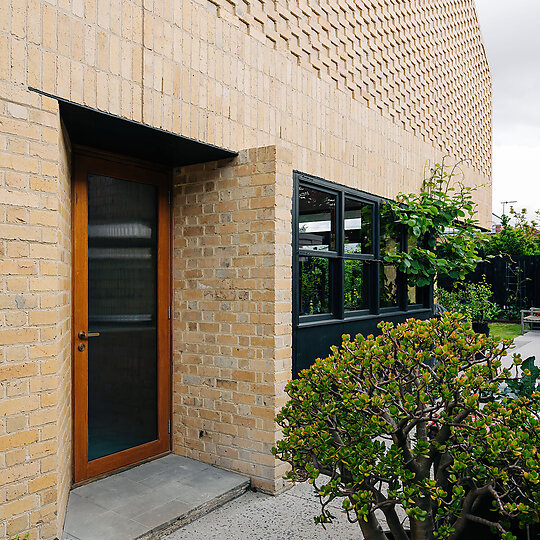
[442, 227]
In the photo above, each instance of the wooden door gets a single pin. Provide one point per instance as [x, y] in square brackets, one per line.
[121, 326]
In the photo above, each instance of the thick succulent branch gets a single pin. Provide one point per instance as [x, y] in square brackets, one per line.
[371, 528]
[470, 499]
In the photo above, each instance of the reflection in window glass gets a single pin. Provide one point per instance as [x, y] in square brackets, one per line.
[358, 227]
[388, 283]
[388, 238]
[412, 242]
[317, 217]
[413, 296]
[388, 286]
[314, 285]
[356, 285]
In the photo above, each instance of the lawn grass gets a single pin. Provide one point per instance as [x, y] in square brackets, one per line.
[505, 330]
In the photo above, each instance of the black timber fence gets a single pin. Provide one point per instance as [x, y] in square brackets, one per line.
[515, 280]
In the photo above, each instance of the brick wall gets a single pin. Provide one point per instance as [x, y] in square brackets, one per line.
[34, 297]
[420, 64]
[363, 94]
[232, 310]
[63, 383]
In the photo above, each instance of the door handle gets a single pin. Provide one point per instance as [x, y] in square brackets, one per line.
[85, 335]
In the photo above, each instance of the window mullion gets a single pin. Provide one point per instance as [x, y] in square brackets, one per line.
[340, 226]
[295, 261]
[339, 278]
[375, 276]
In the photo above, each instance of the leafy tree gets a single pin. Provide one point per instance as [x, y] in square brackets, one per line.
[405, 421]
[523, 238]
[510, 241]
[531, 229]
[440, 222]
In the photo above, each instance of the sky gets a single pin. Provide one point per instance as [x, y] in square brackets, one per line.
[511, 32]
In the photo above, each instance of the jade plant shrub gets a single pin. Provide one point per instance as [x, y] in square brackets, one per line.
[526, 384]
[397, 425]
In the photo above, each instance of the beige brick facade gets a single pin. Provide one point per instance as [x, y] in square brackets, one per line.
[361, 93]
[35, 374]
[232, 310]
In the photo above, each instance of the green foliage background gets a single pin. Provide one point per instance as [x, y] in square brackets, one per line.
[522, 238]
[473, 300]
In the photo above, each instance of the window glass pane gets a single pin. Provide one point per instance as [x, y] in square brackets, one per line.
[356, 285]
[389, 239]
[317, 219]
[412, 242]
[388, 286]
[358, 227]
[314, 285]
[122, 307]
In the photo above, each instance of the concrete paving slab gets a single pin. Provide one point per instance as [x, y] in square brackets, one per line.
[165, 513]
[526, 345]
[146, 503]
[149, 500]
[109, 525]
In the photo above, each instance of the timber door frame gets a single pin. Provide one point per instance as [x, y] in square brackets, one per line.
[87, 161]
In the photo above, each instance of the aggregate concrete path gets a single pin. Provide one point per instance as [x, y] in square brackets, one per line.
[256, 516]
[526, 345]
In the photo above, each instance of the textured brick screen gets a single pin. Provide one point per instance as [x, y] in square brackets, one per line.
[421, 64]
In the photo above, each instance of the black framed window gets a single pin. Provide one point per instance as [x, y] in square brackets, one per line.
[340, 241]
[316, 219]
[358, 226]
[341, 284]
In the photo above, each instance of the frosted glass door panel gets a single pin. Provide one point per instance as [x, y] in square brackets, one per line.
[122, 308]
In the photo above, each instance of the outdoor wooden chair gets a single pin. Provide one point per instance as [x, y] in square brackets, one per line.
[531, 317]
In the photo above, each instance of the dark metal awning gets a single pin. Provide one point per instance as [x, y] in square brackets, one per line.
[104, 131]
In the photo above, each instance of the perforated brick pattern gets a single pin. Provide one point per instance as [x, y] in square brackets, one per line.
[422, 64]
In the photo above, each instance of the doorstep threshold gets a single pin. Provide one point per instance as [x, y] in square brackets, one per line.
[150, 500]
